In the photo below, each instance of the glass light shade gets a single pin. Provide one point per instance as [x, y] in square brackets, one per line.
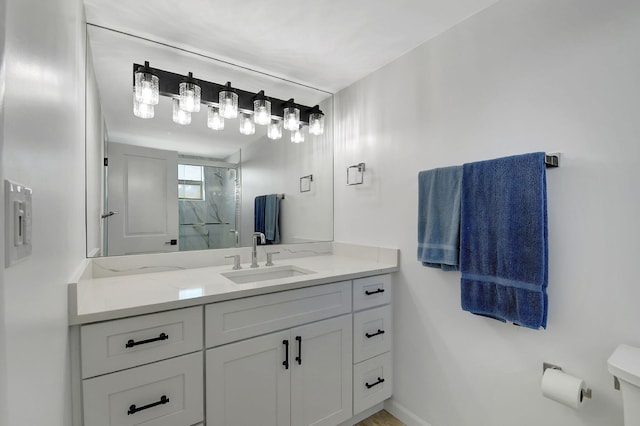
[189, 97]
[247, 126]
[142, 110]
[180, 116]
[316, 123]
[274, 130]
[147, 88]
[262, 111]
[291, 118]
[215, 121]
[228, 102]
[297, 136]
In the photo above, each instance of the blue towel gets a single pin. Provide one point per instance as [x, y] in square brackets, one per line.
[271, 219]
[439, 218]
[503, 241]
[259, 205]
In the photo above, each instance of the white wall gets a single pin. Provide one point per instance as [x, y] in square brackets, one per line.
[3, 340]
[43, 132]
[522, 76]
[276, 167]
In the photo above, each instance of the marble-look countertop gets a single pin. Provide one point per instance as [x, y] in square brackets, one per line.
[101, 298]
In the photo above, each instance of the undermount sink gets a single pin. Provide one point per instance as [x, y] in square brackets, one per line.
[266, 274]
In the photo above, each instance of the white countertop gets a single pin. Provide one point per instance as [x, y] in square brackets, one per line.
[94, 299]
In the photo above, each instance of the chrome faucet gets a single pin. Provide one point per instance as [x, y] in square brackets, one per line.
[254, 251]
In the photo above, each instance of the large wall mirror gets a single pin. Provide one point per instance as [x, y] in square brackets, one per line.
[155, 186]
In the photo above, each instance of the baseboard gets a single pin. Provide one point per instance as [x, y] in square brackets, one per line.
[403, 414]
[361, 416]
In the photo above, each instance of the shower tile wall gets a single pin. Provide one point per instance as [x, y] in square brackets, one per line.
[205, 224]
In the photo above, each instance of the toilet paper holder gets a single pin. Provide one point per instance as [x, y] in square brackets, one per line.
[584, 393]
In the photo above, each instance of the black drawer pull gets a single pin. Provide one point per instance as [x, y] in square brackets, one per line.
[131, 343]
[286, 354]
[369, 336]
[299, 357]
[369, 293]
[133, 409]
[369, 386]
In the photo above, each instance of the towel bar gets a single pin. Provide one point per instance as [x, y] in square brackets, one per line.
[552, 160]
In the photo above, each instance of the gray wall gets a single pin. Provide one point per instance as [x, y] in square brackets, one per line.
[521, 76]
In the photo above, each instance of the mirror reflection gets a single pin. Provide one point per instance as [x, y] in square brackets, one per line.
[156, 186]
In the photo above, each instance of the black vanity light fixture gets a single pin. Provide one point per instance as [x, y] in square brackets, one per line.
[223, 102]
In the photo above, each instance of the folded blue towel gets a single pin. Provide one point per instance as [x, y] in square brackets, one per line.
[503, 241]
[271, 218]
[259, 205]
[439, 217]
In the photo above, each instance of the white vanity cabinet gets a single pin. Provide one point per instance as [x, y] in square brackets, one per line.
[314, 355]
[372, 341]
[300, 377]
[143, 370]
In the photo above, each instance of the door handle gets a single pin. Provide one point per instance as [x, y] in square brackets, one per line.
[286, 354]
[171, 242]
[369, 293]
[370, 385]
[106, 215]
[131, 343]
[299, 357]
[133, 409]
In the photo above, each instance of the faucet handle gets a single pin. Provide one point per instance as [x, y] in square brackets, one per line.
[236, 261]
[269, 256]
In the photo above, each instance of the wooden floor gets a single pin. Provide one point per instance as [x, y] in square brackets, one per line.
[381, 418]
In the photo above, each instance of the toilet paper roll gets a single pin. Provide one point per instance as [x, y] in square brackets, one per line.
[563, 388]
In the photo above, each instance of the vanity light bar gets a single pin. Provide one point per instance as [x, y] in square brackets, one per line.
[169, 85]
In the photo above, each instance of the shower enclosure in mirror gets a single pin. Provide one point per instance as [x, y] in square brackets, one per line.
[156, 186]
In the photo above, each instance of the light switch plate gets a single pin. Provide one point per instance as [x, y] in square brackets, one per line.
[17, 216]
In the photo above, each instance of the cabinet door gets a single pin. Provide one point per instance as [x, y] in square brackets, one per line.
[248, 384]
[321, 373]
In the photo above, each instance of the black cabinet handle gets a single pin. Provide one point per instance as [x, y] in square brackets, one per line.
[286, 354]
[369, 386]
[131, 343]
[299, 357]
[133, 409]
[369, 336]
[369, 293]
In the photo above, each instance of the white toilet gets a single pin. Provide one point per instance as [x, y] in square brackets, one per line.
[624, 364]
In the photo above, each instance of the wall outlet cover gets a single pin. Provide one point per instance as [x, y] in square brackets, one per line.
[17, 216]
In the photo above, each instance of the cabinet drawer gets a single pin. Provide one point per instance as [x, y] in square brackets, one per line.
[136, 396]
[371, 333]
[243, 318]
[371, 291]
[372, 382]
[119, 344]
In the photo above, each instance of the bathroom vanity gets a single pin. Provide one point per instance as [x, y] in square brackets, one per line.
[305, 342]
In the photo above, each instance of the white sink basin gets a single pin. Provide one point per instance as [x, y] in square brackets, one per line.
[266, 274]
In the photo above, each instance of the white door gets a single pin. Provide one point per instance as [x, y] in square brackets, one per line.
[321, 374]
[248, 382]
[143, 190]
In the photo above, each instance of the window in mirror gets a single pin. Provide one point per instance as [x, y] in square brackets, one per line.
[190, 182]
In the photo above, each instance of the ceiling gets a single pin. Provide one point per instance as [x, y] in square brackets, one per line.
[326, 44]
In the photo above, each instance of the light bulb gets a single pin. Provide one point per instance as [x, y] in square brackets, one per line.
[274, 130]
[297, 136]
[189, 95]
[228, 102]
[291, 118]
[214, 120]
[316, 123]
[247, 126]
[142, 110]
[146, 86]
[262, 111]
[180, 116]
